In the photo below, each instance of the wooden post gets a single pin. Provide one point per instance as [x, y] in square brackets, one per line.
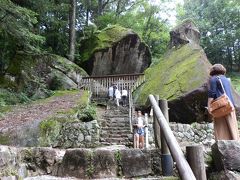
[167, 162]
[156, 127]
[195, 159]
[183, 167]
[146, 130]
[164, 108]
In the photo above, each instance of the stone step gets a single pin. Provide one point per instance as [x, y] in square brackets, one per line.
[128, 144]
[109, 116]
[109, 135]
[118, 124]
[119, 135]
[114, 122]
[115, 129]
[117, 140]
[119, 119]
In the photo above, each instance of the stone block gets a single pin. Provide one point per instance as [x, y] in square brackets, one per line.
[226, 155]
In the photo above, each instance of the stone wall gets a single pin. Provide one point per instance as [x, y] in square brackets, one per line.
[194, 133]
[79, 134]
[186, 134]
[106, 162]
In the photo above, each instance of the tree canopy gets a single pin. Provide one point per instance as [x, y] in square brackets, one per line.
[30, 26]
[16, 32]
[219, 25]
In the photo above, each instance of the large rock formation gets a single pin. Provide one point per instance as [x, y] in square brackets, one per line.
[181, 77]
[35, 75]
[115, 50]
[184, 33]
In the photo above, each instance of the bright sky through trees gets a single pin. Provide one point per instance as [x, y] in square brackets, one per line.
[171, 6]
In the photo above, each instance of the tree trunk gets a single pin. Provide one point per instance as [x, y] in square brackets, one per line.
[88, 11]
[100, 7]
[72, 30]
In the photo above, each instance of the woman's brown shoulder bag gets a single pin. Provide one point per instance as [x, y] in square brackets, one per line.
[221, 106]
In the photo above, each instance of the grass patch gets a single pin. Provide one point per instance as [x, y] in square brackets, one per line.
[4, 140]
[57, 94]
[63, 93]
[235, 79]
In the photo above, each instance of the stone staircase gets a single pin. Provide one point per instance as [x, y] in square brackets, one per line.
[115, 128]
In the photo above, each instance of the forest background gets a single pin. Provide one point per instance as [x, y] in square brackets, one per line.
[60, 26]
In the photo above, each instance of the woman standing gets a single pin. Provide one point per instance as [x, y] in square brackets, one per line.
[225, 128]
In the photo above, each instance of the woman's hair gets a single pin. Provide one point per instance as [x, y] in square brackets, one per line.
[217, 69]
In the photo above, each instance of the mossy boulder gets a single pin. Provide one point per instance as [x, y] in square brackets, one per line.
[114, 50]
[180, 77]
[37, 75]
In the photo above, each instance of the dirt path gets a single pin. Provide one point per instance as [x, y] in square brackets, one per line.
[38, 110]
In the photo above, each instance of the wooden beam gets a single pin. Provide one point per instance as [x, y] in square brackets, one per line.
[117, 75]
[183, 167]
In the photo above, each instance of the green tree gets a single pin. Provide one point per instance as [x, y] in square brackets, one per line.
[141, 16]
[219, 25]
[16, 33]
[72, 30]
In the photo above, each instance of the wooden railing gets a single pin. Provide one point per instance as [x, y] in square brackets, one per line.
[183, 167]
[98, 85]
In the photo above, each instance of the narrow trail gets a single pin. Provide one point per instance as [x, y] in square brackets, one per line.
[38, 110]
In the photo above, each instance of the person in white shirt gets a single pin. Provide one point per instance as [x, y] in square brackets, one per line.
[139, 128]
[117, 96]
[124, 96]
[110, 92]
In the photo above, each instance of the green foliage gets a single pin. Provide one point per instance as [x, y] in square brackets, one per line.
[16, 32]
[8, 97]
[143, 18]
[219, 25]
[235, 79]
[56, 83]
[52, 23]
[87, 114]
[118, 158]
[8, 171]
[209, 161]
[4, 140]
[49, 131]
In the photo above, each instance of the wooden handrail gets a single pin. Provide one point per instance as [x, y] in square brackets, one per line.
[184, 169]
[99, 85]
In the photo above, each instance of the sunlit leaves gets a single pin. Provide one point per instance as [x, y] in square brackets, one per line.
[219, 24]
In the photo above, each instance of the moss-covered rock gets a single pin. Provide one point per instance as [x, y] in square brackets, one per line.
[37, 75]
[180, 71]
[73, 128]
[103, 39]
[180, 77]
[114, 50]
